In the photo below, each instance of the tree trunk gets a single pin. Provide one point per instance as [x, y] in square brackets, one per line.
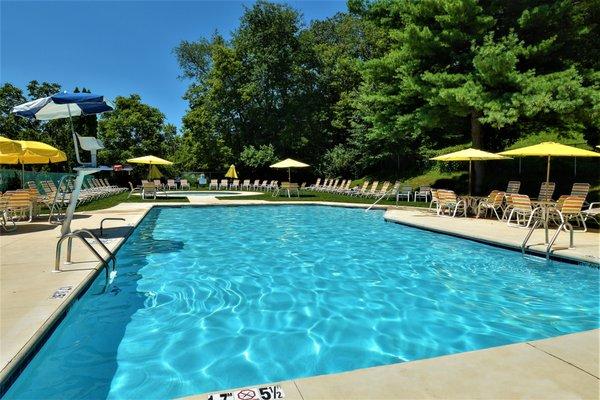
[477, 140]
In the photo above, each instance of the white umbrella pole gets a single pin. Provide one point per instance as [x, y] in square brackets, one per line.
[74, 136]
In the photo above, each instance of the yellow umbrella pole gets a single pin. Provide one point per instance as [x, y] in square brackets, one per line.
[470, 173]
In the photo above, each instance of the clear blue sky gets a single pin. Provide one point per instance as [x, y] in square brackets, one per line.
[117, 47]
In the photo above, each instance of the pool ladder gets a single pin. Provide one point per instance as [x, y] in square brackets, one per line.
[549, 243]
[81, 234]
[386, 194]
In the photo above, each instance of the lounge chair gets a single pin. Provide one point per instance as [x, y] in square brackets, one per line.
[434, 200]
[214, 183]
[158, 184]
[326, 185]
[149, 189]
[256, 184]
[424, 192]
[4, 215]
[274, 185]
[137, 189]
[372, 190]
[358, 191]
[344, 188]
[287, 188]
[264, 185]
[404, 192]
[523, 210]
[246, 184]
[171, 184]
[448, 201]
[593, 212]
[235, 185]
[183, 184]
[513, 187]
[381, 192]
[581, 190]
[332, 186]
[339, 187]
[19, 204]
[224, 184]
[570, 208]
[493, 203]
[546, 192]
[315, 185]
[394, 191]
[116, 188]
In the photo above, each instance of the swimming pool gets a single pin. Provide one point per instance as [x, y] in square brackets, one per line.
[208, 298]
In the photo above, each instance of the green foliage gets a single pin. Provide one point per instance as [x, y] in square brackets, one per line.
[376, 91]
[339, 161]
[135, 129]
[459, 70]
[259, 157]
[274, 84]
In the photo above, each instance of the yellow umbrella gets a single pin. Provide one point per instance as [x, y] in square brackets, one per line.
[31, 152]
[154, 172]
[9, 151]
[149, 160]
[231, 172]
[549, 150]
[289, 163]
[470, 155]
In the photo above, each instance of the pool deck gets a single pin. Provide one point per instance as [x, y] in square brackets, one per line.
[587, 244]
[564, 367]
[557, 367]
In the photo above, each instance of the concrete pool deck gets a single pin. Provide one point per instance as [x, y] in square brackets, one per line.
[27, 309]
[563, 367]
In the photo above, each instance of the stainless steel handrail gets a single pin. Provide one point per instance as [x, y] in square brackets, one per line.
[386, 194]
[533, 228]
[108, 219]
[111, 256]
[71, 235]
[555, 236]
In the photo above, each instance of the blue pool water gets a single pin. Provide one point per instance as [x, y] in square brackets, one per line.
[218, 297]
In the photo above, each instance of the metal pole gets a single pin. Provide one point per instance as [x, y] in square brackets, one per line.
[289, 174]
[545, 204]
[74, 136]
[470, 171]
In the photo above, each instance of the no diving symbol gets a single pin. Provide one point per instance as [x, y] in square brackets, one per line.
[246, 394]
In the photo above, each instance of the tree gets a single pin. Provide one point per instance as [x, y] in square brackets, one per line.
[457, 70]
[134, 129]
[274, 84]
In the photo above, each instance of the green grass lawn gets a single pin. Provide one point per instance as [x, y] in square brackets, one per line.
[306, 195]
[112, 201]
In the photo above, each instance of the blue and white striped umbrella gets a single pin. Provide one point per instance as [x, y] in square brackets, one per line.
[63, 105]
